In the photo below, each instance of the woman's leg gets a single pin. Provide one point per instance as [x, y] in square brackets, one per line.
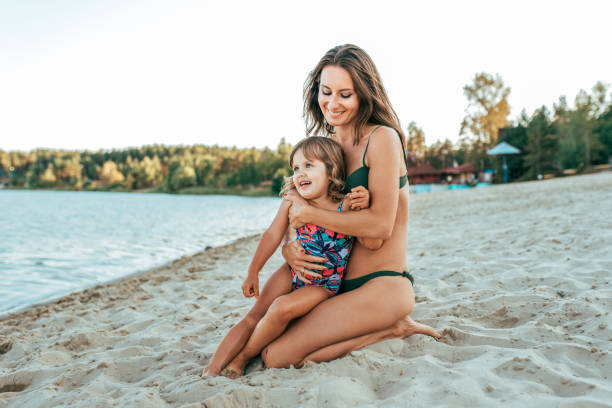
[277, 285]
[404, 327]
[373, 307]
[282, 311]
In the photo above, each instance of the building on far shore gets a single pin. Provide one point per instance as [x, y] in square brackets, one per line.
[461, 174]
[423, 174]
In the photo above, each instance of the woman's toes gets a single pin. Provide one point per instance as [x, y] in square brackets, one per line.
[406, 327]
[232, 373]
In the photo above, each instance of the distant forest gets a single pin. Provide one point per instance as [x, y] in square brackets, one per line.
[556, 141]
[197, 169]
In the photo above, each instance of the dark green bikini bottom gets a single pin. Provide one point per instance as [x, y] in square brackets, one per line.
[352, 284]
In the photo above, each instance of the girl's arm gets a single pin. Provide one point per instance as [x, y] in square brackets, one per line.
[268, 243]
[376, 221]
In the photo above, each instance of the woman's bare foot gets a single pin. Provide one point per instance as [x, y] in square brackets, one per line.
[406, 327]
[235, 368]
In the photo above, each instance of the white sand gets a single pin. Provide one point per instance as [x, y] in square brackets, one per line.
[517, 278]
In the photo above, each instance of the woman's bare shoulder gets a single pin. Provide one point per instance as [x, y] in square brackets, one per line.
[384, 140]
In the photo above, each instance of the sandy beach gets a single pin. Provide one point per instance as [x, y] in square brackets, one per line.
[517, 278]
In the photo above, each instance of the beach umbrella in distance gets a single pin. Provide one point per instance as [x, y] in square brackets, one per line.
[503, 149]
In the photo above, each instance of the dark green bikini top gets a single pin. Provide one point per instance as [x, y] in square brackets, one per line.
[360, 176]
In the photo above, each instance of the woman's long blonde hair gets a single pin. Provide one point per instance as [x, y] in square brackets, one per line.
[330, 153]
[374, 105]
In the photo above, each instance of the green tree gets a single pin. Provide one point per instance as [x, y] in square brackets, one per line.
[542, 144]
[603, 122]
[582, 125]
[604, 130]
[180, 176]
[146, 173]
[205, 169]
[441, 154]
[517, 137]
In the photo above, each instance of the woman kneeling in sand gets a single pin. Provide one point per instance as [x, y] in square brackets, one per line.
[318, 177]
[344, 99]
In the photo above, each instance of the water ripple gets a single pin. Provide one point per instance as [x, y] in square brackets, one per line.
[52, 243]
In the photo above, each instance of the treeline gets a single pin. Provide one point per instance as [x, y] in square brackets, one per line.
[163, 168]
[557, 141]
[553, 141]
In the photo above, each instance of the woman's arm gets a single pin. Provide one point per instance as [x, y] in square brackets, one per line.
[370, 243]
[376, 221]
[359, 199]
[296, 258]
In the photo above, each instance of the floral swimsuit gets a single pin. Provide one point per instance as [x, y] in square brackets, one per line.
[336, 247]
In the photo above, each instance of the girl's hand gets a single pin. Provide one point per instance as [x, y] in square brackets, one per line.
[359, 198]
[301, 263]
[250, 287]
[298, 205]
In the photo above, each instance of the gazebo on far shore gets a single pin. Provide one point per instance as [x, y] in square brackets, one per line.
[503, 149]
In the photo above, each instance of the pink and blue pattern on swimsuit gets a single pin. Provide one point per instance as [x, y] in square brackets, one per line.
[334, 246]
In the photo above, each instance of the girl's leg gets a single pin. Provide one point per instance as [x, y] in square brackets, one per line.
[277, 285]
[403, 328]
[282, 311]
[373, 307]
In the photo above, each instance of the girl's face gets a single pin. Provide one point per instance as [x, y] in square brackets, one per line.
[337, 98]
[309, 176]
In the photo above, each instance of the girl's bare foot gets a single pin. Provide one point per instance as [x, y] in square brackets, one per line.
[407, 327]
[209, 372]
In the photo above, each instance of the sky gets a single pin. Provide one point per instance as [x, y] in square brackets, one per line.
[88, 75]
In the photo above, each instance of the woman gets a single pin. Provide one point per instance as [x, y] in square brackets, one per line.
[344, 99]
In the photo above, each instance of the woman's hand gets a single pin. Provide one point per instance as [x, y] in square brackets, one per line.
[298, 205]
[360, 198]
[301, 263]
[357, 199]
[250, 287]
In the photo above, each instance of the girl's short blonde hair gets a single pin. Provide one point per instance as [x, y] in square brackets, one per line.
[330, 153]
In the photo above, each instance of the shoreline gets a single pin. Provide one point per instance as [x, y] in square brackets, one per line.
[517, 278]
[56, 298]
[258, 192]
[255, 193]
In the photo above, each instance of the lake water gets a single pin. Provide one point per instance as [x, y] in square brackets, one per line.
[53, 243]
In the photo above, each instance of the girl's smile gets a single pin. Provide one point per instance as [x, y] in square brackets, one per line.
[309, 176]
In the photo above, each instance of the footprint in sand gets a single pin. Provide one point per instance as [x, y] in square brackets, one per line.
[5, 345]
[15, 382]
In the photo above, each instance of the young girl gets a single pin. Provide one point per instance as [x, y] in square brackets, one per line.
[318, 176]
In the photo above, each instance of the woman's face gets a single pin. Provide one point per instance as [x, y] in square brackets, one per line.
[337, 98]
